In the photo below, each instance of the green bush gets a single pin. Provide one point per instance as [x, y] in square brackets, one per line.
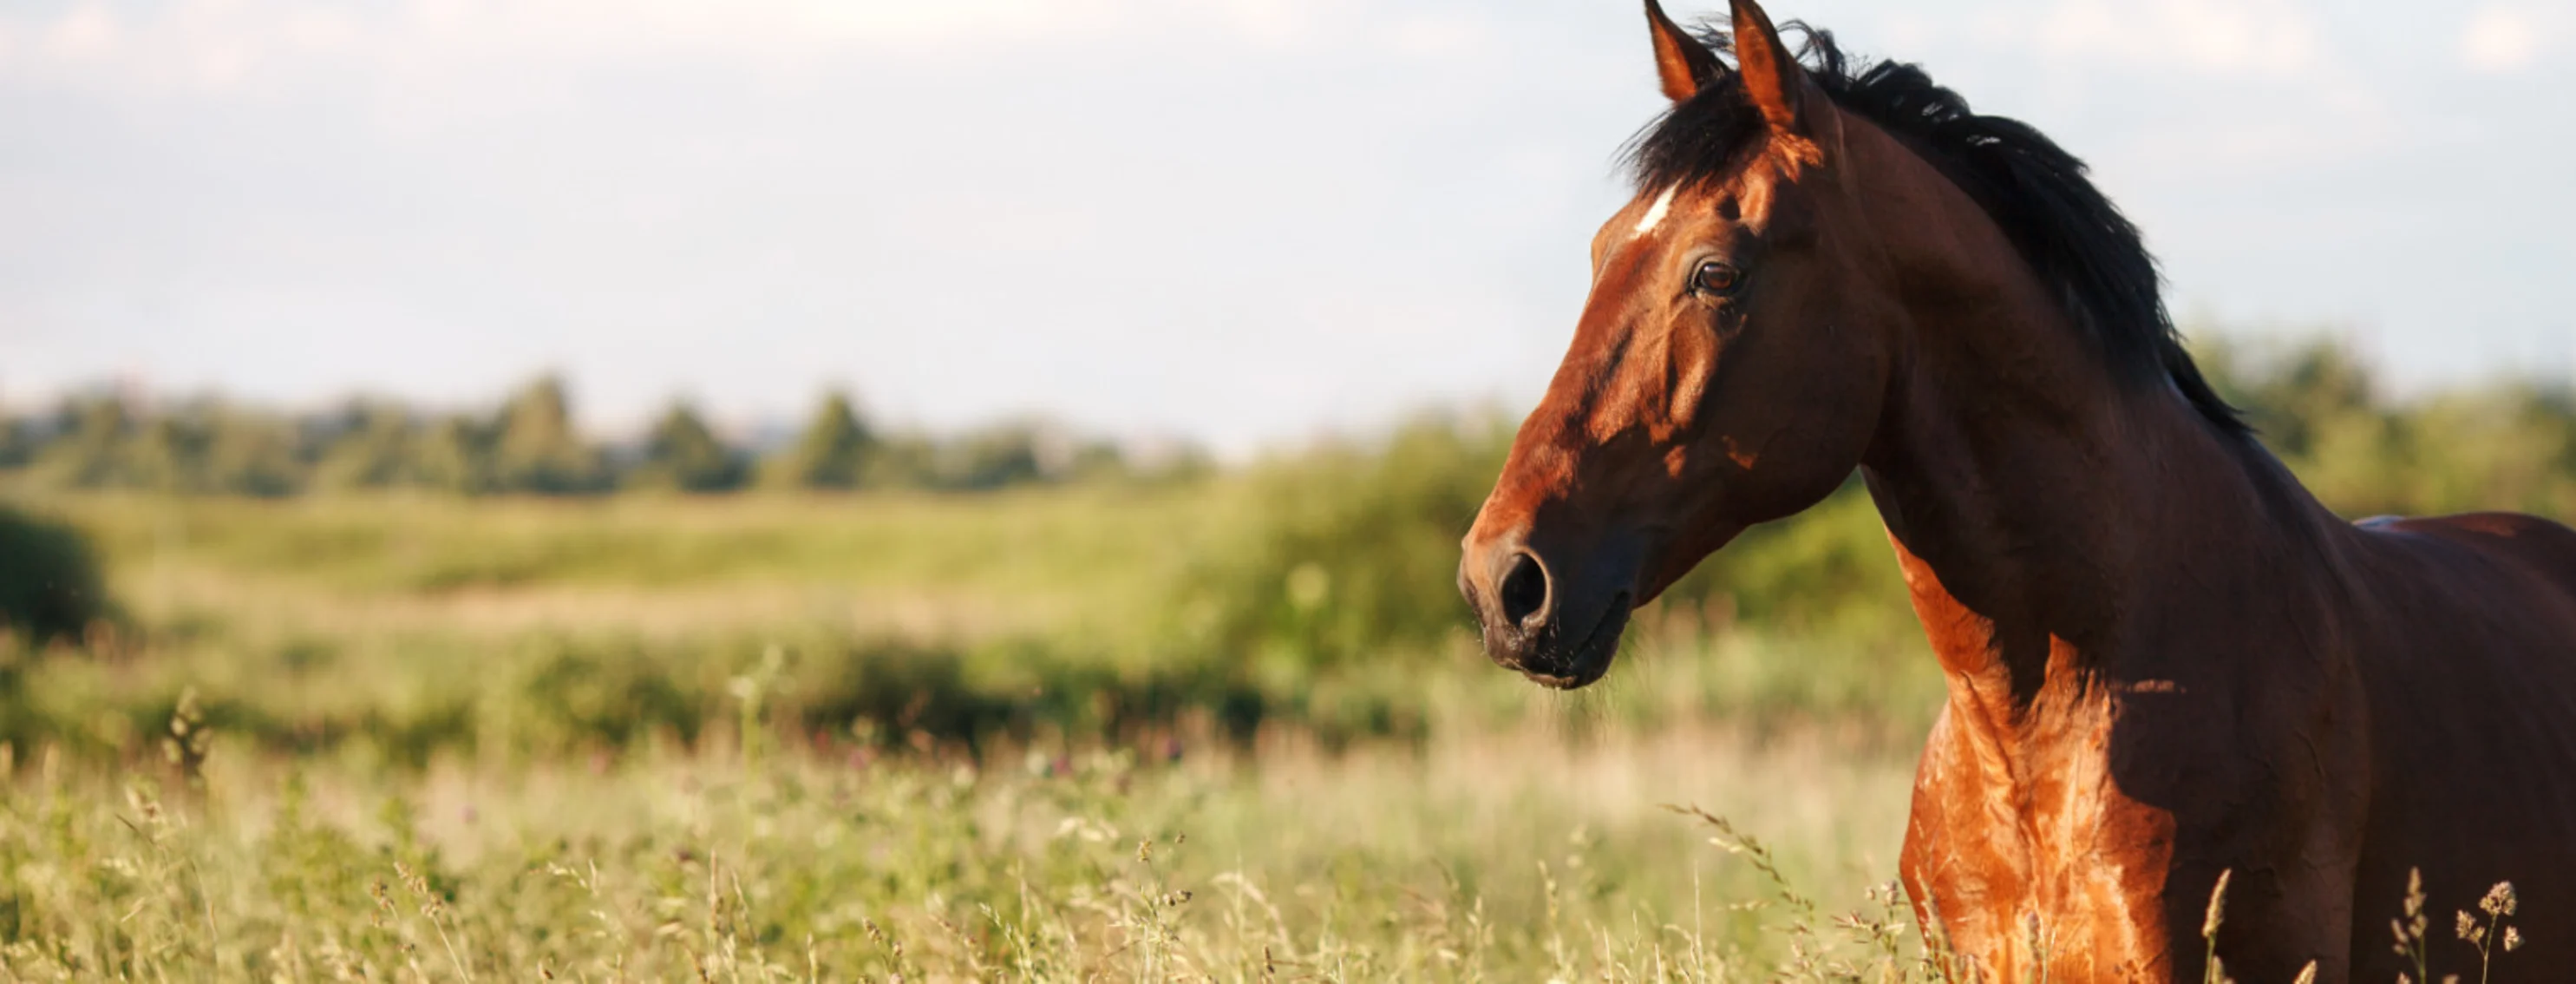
[2510, 444]
[684, 454]
[1829, 568]
[50, 584]
[1350, 554]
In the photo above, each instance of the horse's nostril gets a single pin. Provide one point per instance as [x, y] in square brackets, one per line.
[1524, 590]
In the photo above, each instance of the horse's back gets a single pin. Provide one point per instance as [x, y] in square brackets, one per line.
[2470, 622]
[2470, 625]
[2545, 548]
[2468, 648]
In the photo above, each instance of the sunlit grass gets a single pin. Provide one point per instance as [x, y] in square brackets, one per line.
[1068, 550]
[1510, 858]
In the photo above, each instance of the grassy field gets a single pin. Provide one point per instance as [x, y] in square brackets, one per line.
[939, 738]
[1511, 858]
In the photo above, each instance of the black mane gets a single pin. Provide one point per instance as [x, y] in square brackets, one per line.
[2075, 239]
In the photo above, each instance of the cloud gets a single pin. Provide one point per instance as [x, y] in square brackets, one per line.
[2503, 39]
[2238, 37]
[230, 46]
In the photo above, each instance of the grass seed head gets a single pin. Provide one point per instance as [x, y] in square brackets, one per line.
[2217, 905]
[2500, 900]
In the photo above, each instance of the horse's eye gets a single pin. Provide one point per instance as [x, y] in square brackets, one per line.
[1717, 279]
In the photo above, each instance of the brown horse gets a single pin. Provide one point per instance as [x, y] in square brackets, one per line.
[2165, 659]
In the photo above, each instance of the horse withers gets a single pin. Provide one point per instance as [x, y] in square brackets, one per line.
[2166, 661]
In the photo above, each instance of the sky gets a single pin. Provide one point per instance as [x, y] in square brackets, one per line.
[1235, 221]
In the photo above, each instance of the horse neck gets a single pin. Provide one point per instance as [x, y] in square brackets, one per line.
[2047, 516]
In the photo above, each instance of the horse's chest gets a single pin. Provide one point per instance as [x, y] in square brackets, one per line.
[2036, 858]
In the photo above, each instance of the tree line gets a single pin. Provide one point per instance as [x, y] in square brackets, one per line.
[529, 444]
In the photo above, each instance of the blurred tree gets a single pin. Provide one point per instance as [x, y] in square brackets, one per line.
[683, 453]
[537, 449]
[832, 453]
[2316, 404]
[902, 461]
[2296, 395]
[206, 446]
[1055, 454]
[19, 442]
[250, 454]
[1090, 461]
[454, 455]
[168, 452]
[990, 458]
[88, 448]
[2510, 446]
[370, 444]
[1165, 461]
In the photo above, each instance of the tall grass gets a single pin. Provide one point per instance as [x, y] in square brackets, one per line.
[1507, 859]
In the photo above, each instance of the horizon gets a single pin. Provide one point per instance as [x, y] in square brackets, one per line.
[770, 432]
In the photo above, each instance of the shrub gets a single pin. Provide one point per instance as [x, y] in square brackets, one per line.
[50, 584]
[682, 453]
[836, 450]
[1351, 553]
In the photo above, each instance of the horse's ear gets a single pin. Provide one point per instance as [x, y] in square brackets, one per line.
[1684, 63]
[1772, 79]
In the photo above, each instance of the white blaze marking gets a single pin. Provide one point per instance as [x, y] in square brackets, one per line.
[1655, 216]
